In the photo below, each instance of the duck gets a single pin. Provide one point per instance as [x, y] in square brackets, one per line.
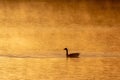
[71, 55]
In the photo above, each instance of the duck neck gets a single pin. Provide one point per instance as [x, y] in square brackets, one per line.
[66, 52]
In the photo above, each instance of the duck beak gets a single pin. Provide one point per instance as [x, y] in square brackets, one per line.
[65, 48]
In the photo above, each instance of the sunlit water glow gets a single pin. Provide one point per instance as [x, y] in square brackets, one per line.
[33, 34]
[60, 68]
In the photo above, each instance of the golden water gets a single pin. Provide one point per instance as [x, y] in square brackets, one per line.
[60, 68]
[33, 34]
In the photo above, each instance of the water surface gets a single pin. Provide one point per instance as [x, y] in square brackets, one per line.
[84, 68]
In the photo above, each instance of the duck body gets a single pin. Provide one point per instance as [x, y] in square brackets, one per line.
[73, 55]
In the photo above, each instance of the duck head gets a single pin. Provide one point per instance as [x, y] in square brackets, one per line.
[65, 49]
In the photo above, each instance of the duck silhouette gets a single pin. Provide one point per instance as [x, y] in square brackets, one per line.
[71, 55]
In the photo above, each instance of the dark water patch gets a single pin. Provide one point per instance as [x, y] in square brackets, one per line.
[55, 55]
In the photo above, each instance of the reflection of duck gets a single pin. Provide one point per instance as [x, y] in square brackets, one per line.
[72, 55]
